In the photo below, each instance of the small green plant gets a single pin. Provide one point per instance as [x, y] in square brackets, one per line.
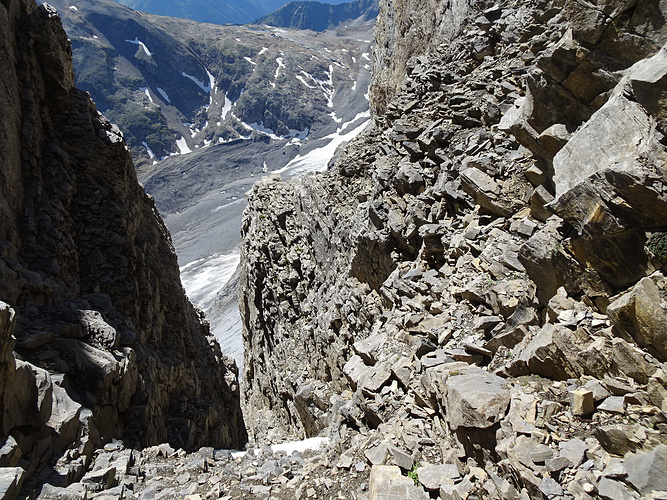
[657, 245]
[412, 474]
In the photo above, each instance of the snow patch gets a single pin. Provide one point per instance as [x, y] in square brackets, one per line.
[136, 41]
[183, 146]
[199, 83]
[264, 49]
[281, 64]
[148, 150]
[366, 56]
[302, 80]
[203, 278]
[163, 94]
[147, 92]
[73, 7]
[250, 61]
[318, 159]
[227, 107]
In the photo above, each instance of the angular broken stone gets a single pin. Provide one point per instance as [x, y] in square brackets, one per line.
[618, 439]
[432, 477]
[476, 398]
[640, 314]
[646, 471]
[613, 404]
[581, 402]
[547, 353]
[574, 450]
[613, 490]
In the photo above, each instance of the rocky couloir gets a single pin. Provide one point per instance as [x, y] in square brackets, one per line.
[469, 293]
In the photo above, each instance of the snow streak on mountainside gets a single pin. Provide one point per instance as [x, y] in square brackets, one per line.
[173, 85]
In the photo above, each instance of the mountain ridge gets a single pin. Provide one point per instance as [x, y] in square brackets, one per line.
[217, 12]
[318, 16]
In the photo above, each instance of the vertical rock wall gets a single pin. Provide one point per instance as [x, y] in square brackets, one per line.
[106, 345]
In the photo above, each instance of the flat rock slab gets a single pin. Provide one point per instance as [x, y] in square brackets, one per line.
[432, 477]
[387, 483]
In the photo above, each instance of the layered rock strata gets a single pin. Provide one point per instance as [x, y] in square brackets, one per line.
[98, 339]
[476, 283]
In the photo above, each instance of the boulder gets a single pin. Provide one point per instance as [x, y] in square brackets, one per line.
[581, 402]
[64, 418]
[486, 192]
[408, 179]
[548, 354]
[618, 439]
[608, 176]
[550, 264]
[639, 313]
[476, 398]
[608, 489]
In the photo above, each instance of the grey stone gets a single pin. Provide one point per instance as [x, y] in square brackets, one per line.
[613, 150]
[432, 477]
[547, 353]
[613, 490]
[409, 179]
[435, 358]
[639, 313]
[475, 398]
[101, 479]
[377, 455]
[613, 404]
[574, 450]
[368, 348]
[646, 471]
[551, 488]
[618, 439]
[401, 458]
[76, 491]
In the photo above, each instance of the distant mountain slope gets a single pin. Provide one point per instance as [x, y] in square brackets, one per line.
[173, 85]
[319, 16]
[210, 11]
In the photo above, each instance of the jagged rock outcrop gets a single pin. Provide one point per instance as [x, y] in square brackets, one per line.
[98, 339]
[504, 212]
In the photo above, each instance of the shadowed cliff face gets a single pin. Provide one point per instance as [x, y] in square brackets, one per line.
[106, 343]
